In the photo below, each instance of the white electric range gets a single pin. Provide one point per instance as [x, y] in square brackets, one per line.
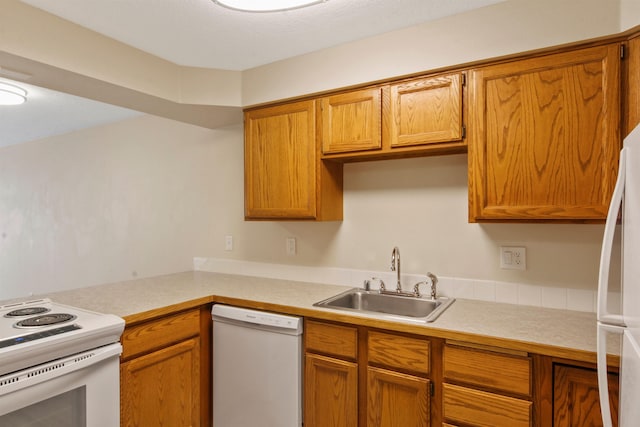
[59, 365]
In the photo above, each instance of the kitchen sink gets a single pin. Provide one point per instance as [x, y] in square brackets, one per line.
[387, 305]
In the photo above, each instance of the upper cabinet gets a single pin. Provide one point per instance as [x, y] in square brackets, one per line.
[425, 111]
[545, 136]
[411, 117]
[543, 131]
[351, 121]
[284, 176]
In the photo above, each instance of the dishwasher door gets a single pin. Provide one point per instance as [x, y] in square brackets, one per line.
[257, 368]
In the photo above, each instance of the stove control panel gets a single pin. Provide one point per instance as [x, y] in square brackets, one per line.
[38, 335]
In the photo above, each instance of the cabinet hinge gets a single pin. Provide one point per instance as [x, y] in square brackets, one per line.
[464, 131]
[464, 79]
[433, 389]
[622, 51]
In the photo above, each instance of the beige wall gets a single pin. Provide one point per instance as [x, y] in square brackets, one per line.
[500, 29]
[144, 196]
[135, 198]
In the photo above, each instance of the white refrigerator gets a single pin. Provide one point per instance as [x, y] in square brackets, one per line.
[626, 197]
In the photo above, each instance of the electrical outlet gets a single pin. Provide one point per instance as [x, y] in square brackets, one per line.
[228, 243]
[291, 245]
[513, 258]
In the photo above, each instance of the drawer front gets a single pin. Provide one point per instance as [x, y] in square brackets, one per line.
[336, 340]
[148, 336]
[400, 352]
[478, 408]
[488, 369]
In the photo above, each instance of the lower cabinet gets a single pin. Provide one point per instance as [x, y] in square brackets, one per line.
[486, 387]
[331, 392]
[576, 399]
[162, 379]
[360, 377]
[162, 387]
[396, 400]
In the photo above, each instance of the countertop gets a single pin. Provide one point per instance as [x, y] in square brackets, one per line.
[551, 332]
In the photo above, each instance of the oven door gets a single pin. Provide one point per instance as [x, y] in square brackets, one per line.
[82, 390]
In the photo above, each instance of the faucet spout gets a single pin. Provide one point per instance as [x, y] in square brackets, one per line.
[395, 266]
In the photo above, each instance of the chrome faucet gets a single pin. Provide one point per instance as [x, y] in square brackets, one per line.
[395, 266]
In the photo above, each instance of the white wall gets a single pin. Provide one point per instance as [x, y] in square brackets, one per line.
[144, 196]
[500, 29]
[132, 199]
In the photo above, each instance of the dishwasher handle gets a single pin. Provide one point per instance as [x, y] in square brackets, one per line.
[286, 324]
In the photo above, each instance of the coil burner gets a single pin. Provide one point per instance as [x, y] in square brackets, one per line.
[45, 320]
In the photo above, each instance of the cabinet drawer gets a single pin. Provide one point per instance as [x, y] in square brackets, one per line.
[400, 352]
[336, 340]
[162, 332]
[478, 408]
[490, 369]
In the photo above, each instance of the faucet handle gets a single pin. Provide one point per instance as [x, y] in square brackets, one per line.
[434, 281]
[367, 284]
[431, 281]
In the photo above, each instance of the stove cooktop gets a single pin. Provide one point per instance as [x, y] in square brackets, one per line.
[38, 331]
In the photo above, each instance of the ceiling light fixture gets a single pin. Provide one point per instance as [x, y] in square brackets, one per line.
[12, 94]
[266, 5]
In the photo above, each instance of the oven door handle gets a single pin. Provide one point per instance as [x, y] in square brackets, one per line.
[15, 381]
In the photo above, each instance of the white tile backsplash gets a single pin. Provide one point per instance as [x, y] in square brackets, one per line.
[581, 300]
[455, 287]
[554, 297]
[506, 293]
[530, 295]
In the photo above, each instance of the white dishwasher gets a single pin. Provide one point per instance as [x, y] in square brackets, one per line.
[257, 368]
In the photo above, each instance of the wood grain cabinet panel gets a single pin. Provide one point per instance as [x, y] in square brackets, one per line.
[284, 176]
[481, 409]
[162, 388]
[331, 339]
[145, 337]
[545, 136]
[632, 89]
[396, 399]
[576, 399]
[351, 121]
[400, 352]
[330, 392]
[426, 111]
[488, 369]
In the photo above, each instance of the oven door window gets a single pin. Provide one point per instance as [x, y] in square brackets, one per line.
[64, 410]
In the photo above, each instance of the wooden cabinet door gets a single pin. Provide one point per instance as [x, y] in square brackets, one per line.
[632, 89]
[330, 392]
[351, 121]
[396, 400]
[280, 161]
[576, 401]
[162, 388]
[546, 136]
[425, 111]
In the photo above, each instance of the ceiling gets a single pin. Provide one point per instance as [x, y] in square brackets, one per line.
[200, 33]
[47, 113]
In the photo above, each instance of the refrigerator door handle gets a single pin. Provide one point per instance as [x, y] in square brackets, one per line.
[607, 246]
[603, 381]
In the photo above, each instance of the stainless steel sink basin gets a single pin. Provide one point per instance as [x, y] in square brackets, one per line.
[387, 305]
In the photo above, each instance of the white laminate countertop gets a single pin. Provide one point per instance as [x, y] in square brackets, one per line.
[559, 333]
